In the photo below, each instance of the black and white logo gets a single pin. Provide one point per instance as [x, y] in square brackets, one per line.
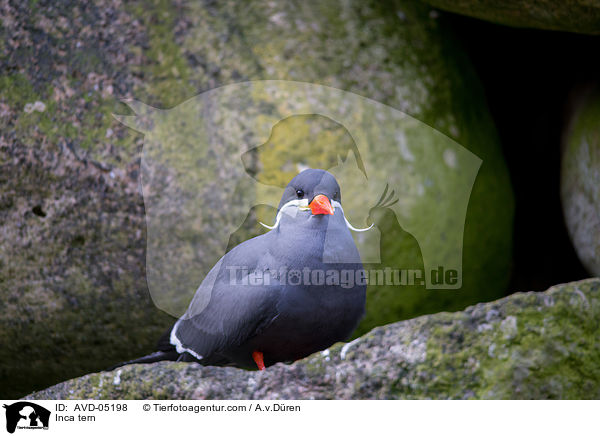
[26, 415]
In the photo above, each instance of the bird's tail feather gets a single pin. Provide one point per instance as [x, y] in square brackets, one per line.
[157, 356]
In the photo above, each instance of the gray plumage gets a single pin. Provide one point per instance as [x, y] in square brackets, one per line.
[228, 320]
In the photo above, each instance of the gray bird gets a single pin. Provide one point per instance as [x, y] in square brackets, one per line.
[280, 296]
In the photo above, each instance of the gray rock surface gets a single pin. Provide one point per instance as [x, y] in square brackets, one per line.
[580, 178]
[535, 345]
[579, 16]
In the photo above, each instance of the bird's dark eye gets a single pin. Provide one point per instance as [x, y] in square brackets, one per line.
[300, 193]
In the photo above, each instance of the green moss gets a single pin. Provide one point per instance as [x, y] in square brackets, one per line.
[552, 353]
[16, 90]
[167, 72]
[53, 124]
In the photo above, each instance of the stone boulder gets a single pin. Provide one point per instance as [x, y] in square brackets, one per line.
[579, 16]
[580, 178]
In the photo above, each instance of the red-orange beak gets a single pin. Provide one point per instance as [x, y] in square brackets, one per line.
[321, 205]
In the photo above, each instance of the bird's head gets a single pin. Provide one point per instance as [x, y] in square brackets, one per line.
[312, 190]
[315, 192]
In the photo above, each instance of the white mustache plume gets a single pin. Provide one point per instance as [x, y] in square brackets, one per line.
[303, 205]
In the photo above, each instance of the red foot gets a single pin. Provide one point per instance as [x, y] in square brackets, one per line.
[258, 358]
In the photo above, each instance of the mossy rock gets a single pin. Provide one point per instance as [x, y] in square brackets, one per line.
[534, 345]
[580, 178]
[72, 269]
[72, 247]
[416, 67]
[579, 16]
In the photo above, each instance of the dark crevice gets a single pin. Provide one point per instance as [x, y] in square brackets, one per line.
[37, 210]
[528, 76]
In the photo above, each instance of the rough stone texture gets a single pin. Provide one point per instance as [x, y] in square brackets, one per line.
[580, 178]
[527, 346]
[579, 16]
[73, 296]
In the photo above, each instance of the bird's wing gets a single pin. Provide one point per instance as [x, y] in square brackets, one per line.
[227, 311]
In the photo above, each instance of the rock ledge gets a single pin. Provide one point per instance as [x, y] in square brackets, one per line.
[527, 345]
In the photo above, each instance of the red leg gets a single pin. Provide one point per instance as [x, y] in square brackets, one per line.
[258, 358]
